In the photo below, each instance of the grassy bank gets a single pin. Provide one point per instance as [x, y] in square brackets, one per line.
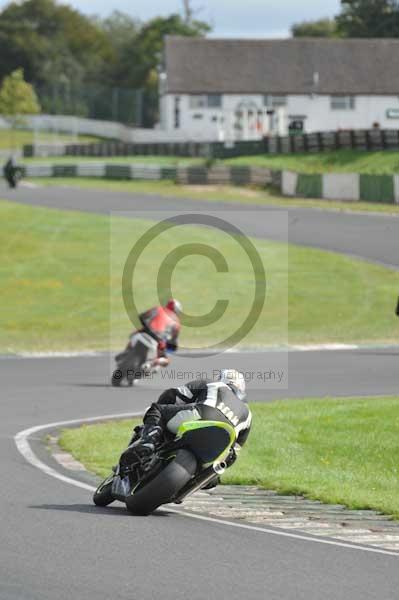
[215, 193]
[54, 275]
[169, 161]
[341, 451]
[338, 161]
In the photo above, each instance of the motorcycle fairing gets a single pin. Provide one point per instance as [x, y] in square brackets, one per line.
[209, 441]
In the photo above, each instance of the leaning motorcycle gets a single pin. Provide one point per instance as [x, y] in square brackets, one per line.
[138, 360]
[183, 464]
[12, 175]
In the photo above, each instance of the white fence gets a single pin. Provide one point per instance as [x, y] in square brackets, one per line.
[105, 129]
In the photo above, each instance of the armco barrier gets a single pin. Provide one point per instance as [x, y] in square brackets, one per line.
[91, 170]
[289, 182]
[150, 144]
[65, 170]
[331, 186]
[194, 175]
[350, 187]
[110, 149]
[197, 175]
[377, 188]
[118, 172]
[343, 186]
[310, 186]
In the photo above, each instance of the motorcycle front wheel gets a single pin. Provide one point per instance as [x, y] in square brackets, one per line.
[103, 494]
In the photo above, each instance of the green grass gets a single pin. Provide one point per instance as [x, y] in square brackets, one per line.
[167, 161]
[54, 276]
[339, 161]
[231, 194]
[100, 446]
[343, 451]
[16, 139]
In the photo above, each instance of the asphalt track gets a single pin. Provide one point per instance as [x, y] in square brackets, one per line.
[54, 544]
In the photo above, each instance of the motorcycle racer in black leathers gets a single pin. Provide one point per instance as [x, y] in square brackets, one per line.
[222, 400]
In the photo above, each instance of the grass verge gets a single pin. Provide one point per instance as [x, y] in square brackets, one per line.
[214, 193]
[341, 451]
[337, 161]
[58, 294]
[169, 161]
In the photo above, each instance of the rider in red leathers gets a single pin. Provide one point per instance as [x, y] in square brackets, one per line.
[147, 349]
[162, 323]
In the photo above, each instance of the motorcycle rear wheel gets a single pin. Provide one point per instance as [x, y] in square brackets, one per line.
[165, 486]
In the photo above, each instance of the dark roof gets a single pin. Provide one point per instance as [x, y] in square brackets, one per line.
[351, 66]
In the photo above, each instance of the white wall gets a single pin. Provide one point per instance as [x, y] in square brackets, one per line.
[316, 109]
[204, 129]
[216, 123]
[368, 110]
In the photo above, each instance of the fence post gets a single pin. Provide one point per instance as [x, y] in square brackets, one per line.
[368, 141]
[292, 144]
[384, 143]
[320, 142]
[353, 139]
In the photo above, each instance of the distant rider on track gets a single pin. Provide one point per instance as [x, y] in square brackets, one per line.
[147, 348]
[162, 323]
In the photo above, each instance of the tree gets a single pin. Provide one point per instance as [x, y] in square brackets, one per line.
[34, 31]
[369, 18]
[121, 31]
[87, 66]
[321, 28]
[141, 58]
[120, 28]
[358, 19]
[17, 98]
[144, 53]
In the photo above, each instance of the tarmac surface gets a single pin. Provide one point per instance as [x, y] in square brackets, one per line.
[55, 544]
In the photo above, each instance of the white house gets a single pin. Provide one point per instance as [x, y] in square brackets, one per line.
[243, 89]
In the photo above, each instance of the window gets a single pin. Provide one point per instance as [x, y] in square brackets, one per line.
[197, 102]
[214, 101]
[205, 101]
[342, 102]
[274, 101]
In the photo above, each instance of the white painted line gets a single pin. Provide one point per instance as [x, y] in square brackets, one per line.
[287, 534]
[23, 446]
[22, 443]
